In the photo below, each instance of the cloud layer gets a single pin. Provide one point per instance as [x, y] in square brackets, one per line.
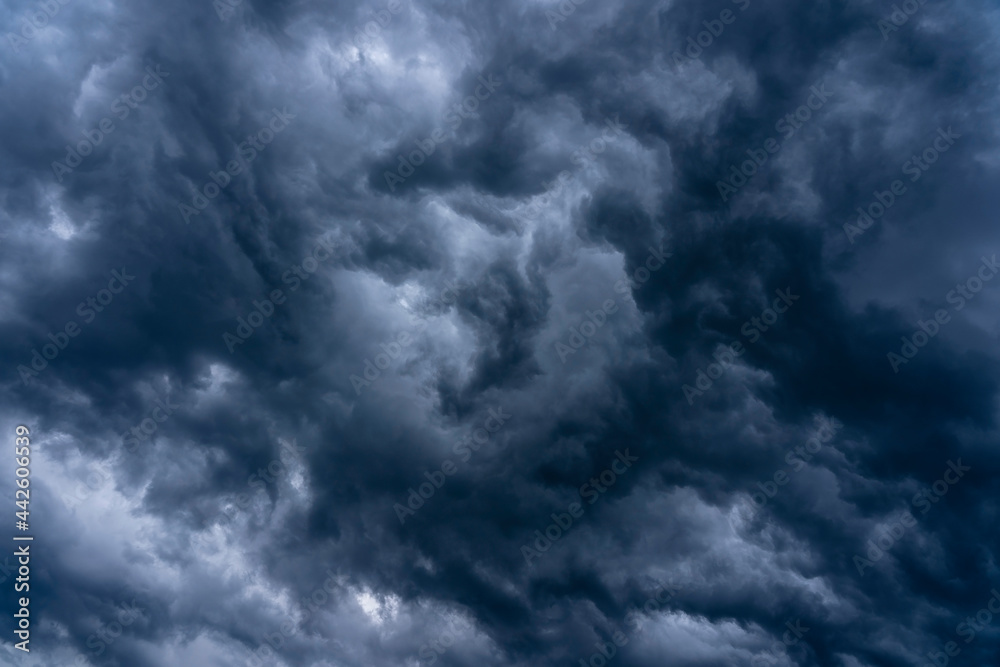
[519, 333]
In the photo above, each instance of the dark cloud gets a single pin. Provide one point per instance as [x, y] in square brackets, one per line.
[531, 210]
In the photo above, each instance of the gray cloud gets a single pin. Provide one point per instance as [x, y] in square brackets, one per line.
[549, 150]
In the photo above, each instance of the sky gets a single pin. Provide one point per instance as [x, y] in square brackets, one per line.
[508, 334]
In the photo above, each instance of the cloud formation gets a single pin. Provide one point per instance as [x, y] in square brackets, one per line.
[318, 338]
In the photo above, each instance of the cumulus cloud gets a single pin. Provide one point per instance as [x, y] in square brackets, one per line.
[269, 269]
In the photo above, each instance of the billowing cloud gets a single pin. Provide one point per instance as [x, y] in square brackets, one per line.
[533, 333]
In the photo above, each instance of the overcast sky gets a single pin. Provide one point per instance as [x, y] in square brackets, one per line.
[411, 333]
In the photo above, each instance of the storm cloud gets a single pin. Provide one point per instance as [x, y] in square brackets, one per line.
[416, 332]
